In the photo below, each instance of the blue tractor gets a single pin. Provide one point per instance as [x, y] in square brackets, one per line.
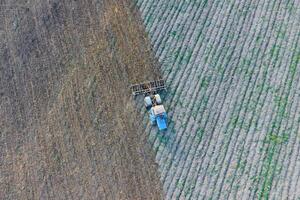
[152, 101]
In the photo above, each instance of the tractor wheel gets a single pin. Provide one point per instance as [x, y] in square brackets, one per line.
[157, 99]
[147, 102]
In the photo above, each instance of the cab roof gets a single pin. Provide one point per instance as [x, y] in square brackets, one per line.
[159, 109]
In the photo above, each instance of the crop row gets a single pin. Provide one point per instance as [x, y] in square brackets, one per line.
[232, 71]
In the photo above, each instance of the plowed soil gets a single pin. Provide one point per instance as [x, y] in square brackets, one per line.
[68, 126]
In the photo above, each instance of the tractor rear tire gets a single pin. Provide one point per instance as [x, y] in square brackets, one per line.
[148, 102]
[157, 99]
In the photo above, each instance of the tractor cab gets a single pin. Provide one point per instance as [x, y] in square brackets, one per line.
[159, 114]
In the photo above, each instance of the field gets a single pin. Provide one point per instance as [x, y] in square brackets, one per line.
[70, 130]
[68, 127]
[232, 68]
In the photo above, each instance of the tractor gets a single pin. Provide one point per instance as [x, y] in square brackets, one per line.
[152, 101]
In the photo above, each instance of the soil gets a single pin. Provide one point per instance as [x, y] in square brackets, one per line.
[68, 126]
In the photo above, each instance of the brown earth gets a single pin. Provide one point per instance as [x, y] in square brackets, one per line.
[68, 127]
